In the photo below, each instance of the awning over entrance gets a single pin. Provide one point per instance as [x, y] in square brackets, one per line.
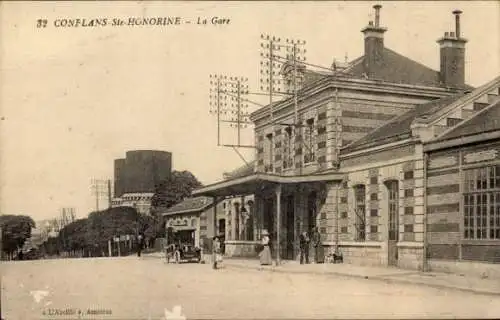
[253, 183]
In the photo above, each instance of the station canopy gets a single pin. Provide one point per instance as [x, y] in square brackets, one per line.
[259, 182]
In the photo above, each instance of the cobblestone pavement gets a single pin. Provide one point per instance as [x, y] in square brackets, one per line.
[141, 288]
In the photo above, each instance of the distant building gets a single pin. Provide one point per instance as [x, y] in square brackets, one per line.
[137, 175]
[189, 220]
[140, 201]
[141, 171]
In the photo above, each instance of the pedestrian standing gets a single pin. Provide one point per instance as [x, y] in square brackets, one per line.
[265, 253]
[318, 247]
[140, 243]
[216, 257]
[304, 247]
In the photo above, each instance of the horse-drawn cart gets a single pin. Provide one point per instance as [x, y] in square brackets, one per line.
[182, 253]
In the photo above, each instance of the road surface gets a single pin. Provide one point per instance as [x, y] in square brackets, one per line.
[142, 288]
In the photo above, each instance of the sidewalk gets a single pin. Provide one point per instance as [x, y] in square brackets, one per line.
[385, 274]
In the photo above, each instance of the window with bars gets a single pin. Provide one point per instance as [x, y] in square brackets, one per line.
[287, 148]
[482, 203]
[309, 155]
[393, 201]
[360, 211]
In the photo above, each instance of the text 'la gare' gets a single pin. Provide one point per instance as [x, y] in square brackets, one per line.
[214, 20]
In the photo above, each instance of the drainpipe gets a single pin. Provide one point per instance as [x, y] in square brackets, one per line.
[424, 228]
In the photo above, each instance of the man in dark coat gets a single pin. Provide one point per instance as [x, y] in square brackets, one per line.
[318, 247]
[140, 244]
[304, 247]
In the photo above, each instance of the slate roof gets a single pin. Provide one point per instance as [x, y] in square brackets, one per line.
[397, 68]
[484, 121]
[242, 171]
[189, 205]
[399, 127]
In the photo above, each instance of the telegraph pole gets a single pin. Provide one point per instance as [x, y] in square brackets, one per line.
[1, 243]
[101, 188]
[282, 56]
[277, 56]
[229, 104]
[109, 193]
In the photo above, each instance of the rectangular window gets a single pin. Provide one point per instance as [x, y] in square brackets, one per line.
[373, 196]
[373, 229]
[269, 150]
[408, 228]
[408, 193]
[343, 215]
[360, 211]
[408, 175]
[373, 213]
[321, 130]
[343, 199]
[482, 203]
[393, 204]
[287, 148]
[408, 210]
[343, 229]
[373, 180]
[309, 145]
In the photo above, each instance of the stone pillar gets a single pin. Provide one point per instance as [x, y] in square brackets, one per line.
[258, 217]
[197, 232]
[278, 224]
[333, 128]
[237, 221]
[233, 221]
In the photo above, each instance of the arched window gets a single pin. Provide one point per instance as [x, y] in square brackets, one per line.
[360, 212]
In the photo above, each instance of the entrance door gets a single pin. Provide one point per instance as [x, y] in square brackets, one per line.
[393, 222]
[290, 228]
[311, 212]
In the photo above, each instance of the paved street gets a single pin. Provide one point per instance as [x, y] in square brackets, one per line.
[132, 288]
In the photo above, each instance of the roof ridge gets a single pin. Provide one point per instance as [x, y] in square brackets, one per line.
[458, 126]
[413, 112]
[462, 100]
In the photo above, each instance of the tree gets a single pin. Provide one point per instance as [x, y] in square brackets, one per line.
[104, 225]
[73, 235]
[15, 230]
[171, 191]
[168, 193]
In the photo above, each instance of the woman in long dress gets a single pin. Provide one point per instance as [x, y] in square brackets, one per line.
[265, 254]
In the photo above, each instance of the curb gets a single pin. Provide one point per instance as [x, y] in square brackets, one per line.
[384, 279]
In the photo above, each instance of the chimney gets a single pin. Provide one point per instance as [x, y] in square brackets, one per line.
[374, 43]
[452, 56]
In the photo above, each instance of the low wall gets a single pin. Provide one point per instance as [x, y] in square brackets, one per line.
[472, 268]
[360, 253]
[410, 256]
[240, 249]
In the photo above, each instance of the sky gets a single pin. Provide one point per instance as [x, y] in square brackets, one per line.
[74, 99]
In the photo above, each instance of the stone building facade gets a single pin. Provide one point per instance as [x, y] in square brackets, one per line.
[350, 160]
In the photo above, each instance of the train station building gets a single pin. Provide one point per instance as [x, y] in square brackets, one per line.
[395, 164]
